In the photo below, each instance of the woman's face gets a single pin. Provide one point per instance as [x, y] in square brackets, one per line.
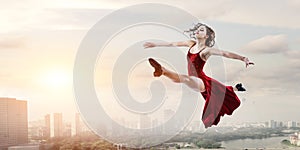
[201, 32]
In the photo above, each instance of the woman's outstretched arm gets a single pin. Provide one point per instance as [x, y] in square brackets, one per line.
[169, 44]
[214, 51]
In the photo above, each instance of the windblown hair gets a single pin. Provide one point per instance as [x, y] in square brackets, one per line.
[210, 41]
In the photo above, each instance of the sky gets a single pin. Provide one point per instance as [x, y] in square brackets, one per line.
[39, 41]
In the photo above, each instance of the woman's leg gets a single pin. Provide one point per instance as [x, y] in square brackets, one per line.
[192, 82]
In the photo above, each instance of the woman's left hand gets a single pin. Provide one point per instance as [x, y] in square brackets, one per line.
[247, 62]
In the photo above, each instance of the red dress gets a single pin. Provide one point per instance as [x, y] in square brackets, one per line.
[219, 99]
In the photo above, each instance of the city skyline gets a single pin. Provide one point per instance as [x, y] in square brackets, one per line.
[79, 126]
[55, 125]
[39, 42]
[16, 131]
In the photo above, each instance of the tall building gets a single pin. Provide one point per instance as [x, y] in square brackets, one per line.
[272, 124]
[58, 125]
[145, 121]
[47, 130]
[156, 127]
[168, 114]
[77, 124]
[80, 126]
[292, 124]
[13, 122]
[67, 130]
[36, 130]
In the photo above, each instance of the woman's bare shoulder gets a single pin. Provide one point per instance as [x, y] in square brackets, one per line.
[206, 53]
[191, 43]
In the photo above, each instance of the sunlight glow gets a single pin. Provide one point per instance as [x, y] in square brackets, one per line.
[57, 79]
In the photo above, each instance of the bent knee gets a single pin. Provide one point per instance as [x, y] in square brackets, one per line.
[185, 79]
[177, 81]
[197, 83]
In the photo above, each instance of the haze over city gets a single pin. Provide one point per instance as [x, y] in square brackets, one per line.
[39, 41]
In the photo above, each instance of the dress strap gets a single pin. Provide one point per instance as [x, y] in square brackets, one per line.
[197, 52]
[192, 45]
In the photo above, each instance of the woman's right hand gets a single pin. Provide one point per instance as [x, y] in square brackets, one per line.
[149, 45]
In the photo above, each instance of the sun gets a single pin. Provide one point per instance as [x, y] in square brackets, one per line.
[57, 79]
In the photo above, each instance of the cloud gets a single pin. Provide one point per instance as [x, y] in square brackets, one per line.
[274, 13]
[272, 80]
[51, 14]
[17, 14]
[82, 18]
[67, 19]
[259, 13]
[16, 3]
[11, 42]
[81, 14]
[234, 72]
[293, 61]
[29, 15]
[293, 54]
[266, 78]
[203, 9]
[268, 45]
[293, 3]
[281, 76]
[82, 4]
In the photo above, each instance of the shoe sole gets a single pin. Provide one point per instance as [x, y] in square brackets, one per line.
[156, 66]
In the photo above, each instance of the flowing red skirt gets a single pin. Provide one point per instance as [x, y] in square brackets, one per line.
[219, 100]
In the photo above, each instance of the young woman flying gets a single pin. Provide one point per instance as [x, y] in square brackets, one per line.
[219, 99]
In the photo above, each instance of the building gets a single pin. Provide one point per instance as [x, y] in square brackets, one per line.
[35, 130]
[156, 127]
[47, 129]
[168, 114]
[292, 124]
[272, 124]
[13, 122]
[80, 126]
[280, 124]
[58, 125]
[39, 129]
[145, 121]
[67, 130]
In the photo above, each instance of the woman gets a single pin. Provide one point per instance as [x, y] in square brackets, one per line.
[219, 99]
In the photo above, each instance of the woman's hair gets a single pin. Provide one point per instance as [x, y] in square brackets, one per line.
[210, 42]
